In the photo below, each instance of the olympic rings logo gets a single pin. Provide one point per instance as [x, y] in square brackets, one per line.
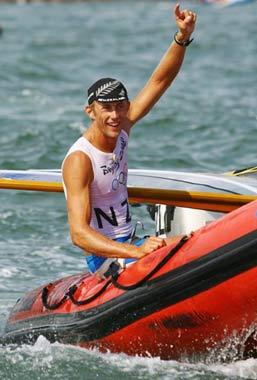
[121, 180]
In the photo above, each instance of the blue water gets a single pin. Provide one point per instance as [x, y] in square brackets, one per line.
[207, 121]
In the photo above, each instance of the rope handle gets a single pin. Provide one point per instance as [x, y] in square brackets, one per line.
[69, 295]
[71, 292]
[154, 270]
[44, 296]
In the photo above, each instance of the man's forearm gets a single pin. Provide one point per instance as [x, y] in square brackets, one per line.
[92, 241]
[169, 65]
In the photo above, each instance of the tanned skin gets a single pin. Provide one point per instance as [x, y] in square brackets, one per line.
[107, 120]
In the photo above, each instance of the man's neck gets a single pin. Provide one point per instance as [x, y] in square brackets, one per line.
[100, 141]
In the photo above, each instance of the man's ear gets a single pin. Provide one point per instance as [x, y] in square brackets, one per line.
[89, 110]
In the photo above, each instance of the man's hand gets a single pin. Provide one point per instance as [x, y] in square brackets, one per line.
[150, 245]
[185, 22]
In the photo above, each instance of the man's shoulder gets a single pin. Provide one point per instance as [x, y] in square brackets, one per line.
[77, 165]
[77, 143]
[77, 155]
[78, 149]
[78, 158]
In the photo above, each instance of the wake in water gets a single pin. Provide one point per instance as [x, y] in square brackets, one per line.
[44, 360]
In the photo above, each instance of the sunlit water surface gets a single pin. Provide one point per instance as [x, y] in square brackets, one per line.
[50, 53]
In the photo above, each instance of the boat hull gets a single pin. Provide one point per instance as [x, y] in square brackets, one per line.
[201, 293]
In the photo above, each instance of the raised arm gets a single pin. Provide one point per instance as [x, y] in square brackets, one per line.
[168, 67]
[78, 176]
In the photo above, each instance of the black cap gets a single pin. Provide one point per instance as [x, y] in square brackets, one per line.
[107, 90]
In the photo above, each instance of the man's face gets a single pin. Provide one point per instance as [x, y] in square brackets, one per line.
[110, 117]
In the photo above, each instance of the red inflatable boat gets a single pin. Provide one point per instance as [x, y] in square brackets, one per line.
[183, 299]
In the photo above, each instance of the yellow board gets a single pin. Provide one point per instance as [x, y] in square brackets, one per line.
[16, 184]
[191, 199]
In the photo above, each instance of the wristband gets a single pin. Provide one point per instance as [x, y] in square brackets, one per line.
[184, 43]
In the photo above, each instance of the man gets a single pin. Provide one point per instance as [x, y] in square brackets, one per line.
[95, 167]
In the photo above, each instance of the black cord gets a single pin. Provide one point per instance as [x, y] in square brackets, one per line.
[153, 271]
[73, 289]
[70, 295]
[44, 296]
[113, 280]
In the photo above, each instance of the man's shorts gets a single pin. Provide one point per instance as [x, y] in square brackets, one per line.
[99, 264]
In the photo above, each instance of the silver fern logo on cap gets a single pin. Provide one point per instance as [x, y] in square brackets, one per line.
[106, 88]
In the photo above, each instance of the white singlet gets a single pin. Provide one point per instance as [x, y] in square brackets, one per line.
[109, 197]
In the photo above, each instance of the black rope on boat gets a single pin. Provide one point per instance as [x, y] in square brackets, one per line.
[73, 289]
[70, 295]
[113, 280]
[153, 271]
[114, 277]
[44, 297]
